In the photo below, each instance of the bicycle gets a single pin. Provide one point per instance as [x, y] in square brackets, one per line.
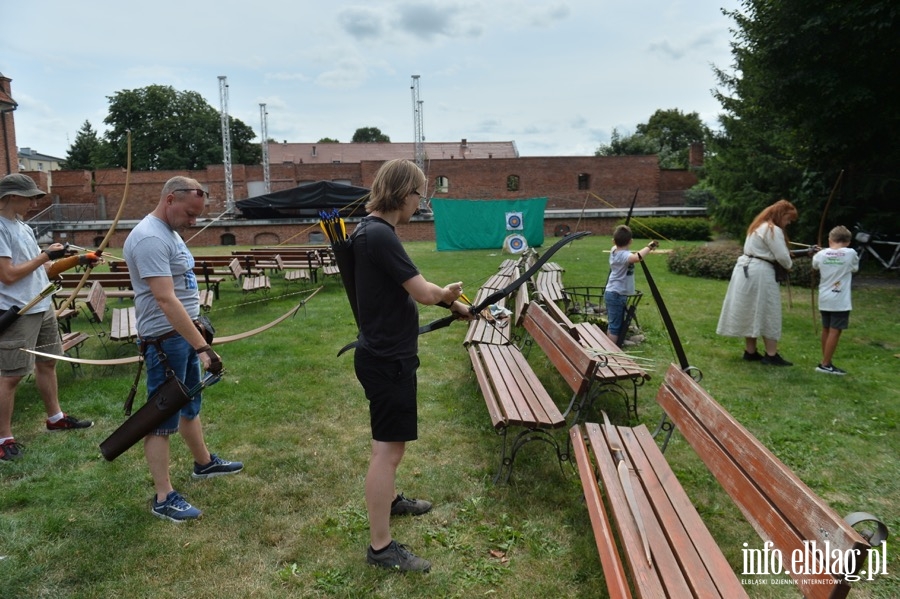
[870, 243]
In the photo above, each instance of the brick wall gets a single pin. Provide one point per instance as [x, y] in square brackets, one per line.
[610, 182]
[9, 159]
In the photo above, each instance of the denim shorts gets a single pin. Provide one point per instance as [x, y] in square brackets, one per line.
[390, 387]
[615, 311]
[185, 363]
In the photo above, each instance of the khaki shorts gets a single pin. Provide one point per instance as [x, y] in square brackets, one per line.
[32, 331]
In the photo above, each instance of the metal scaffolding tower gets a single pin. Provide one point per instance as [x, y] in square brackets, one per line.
[226, 144]
[264, 135]
[418, 131]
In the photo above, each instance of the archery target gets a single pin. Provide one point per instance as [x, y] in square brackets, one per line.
[514, 221]
[515, 244]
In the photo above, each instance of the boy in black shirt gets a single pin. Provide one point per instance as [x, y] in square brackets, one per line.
[388, 288]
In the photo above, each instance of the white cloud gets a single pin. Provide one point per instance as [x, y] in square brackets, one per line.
[553, 76]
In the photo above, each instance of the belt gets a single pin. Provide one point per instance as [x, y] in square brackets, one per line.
[165, 336]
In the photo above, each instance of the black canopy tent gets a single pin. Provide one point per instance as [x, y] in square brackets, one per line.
[304, 201]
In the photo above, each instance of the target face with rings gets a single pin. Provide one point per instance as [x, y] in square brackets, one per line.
[513, 221]
[516, 244]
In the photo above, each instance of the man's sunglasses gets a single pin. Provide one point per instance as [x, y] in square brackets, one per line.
[199, 192]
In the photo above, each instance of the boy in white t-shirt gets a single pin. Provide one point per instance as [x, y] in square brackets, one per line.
[836, 264]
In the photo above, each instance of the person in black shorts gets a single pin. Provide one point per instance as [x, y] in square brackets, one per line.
[388, 289]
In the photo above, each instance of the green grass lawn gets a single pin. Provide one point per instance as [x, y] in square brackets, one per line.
[293, 524]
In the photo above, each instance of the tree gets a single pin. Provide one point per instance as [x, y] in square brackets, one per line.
[668, 134]
[813, 93]
[628, 145]
[172, 130]
[328, 140]
[370, 135]
[674, 131]
[84, 153]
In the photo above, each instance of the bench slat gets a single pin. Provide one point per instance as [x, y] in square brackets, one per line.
[487, 389]
[512, 383]
[704, 566]
[613, 571]
[618, 366]
[646, 577]
[773, 499]
[569, 358]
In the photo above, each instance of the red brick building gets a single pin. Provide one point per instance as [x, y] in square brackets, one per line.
[592, 191]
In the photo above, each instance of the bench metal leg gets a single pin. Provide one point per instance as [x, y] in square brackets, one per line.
[667, 427]
[526, 436]
[580, 405]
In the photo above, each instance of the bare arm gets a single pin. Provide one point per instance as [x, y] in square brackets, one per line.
[639, 255]
[11, 273]
[164, 293]
[430, 294]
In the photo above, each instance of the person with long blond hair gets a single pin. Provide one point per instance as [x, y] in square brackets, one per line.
[389, 288]
[752, 306]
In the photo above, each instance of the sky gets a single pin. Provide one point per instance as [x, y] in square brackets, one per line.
[554, 76]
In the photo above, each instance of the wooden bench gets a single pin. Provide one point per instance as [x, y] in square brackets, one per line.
[577, 367]
[123, 323]
[206, 299]
[210, 276]
[292, 275]
[685, 559]
[619, 372]
[515, 398]
[619, 369]
[249, 283]
[73, 340]
[487, 329]
[548, 285]
[586, 304]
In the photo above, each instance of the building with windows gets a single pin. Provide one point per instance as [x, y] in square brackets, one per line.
[32, 160]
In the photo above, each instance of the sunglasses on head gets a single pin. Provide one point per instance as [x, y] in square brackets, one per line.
[199, 192]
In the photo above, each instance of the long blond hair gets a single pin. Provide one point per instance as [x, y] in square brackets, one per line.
[393, 182]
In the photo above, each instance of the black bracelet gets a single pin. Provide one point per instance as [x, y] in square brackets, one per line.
[203, 349]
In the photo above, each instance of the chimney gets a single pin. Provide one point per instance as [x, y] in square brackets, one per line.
[695, 155]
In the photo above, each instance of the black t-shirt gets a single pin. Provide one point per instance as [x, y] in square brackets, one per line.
[388, 316]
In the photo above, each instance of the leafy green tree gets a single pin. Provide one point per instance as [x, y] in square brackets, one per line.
[369, 135]
[84, 153]
[328, 140]
[627, 145]
[674, 131]
[813, 93]
[172, 130]
[668, 134]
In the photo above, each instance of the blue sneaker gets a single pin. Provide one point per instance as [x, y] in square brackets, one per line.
[216, 467]
[174, 508]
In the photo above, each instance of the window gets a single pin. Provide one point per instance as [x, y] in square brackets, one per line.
[441, 184]
[512, 183]
[227, 239]
[584, 181]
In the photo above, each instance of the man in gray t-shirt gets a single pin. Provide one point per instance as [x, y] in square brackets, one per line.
[167, 304]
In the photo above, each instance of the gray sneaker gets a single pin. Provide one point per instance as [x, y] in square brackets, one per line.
[397, 557]
[216, 467]
[174, 509]
[403, 506]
